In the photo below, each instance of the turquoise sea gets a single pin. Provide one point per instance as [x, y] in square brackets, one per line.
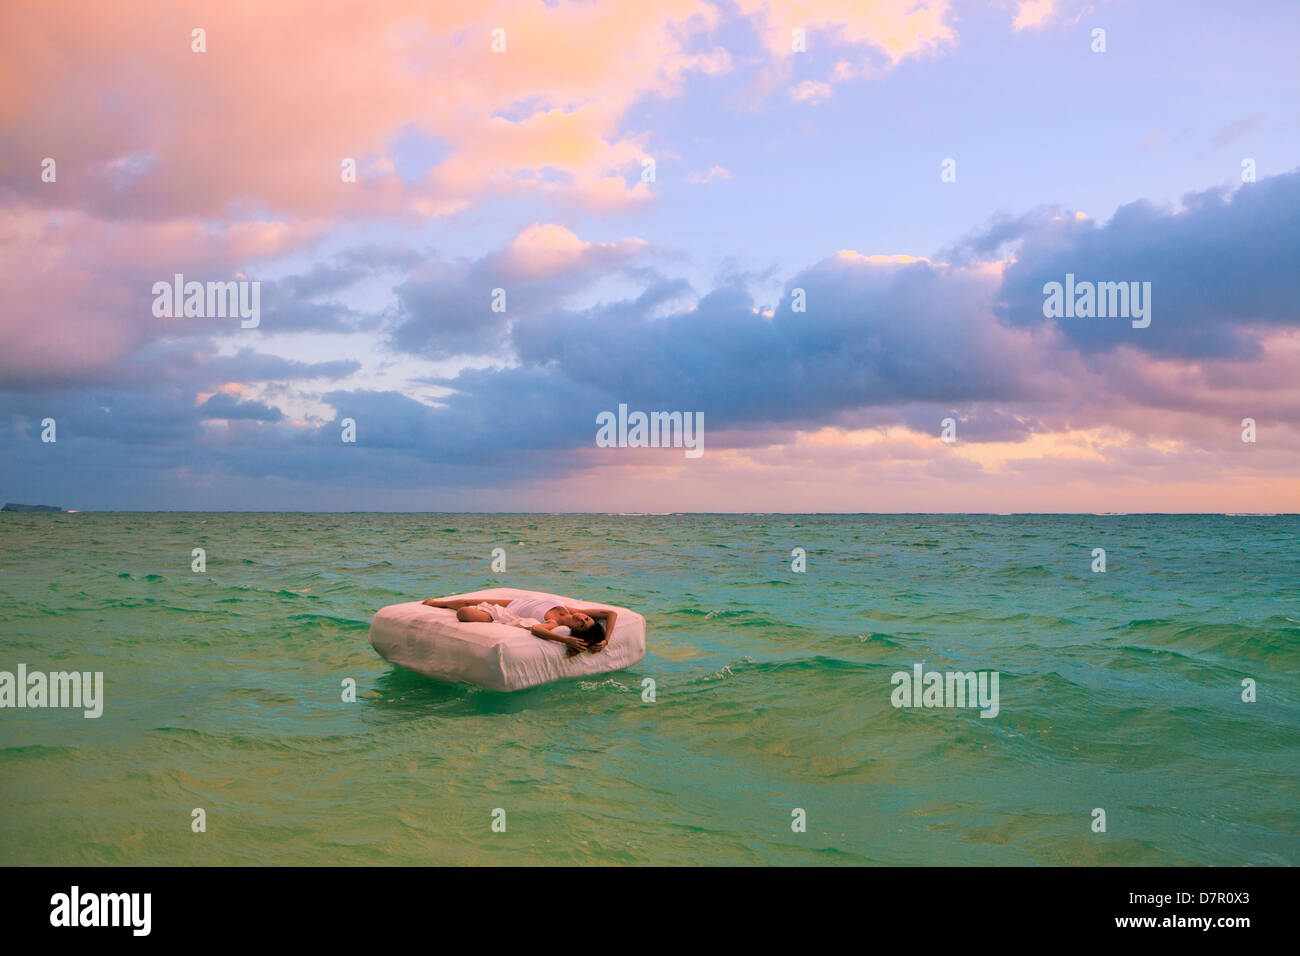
[1119, 690]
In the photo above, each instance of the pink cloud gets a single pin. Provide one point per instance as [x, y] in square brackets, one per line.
[141, 125]
[79, 288]
[286, 91]
[544, 251]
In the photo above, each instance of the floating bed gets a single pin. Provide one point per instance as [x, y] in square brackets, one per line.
[430, 641]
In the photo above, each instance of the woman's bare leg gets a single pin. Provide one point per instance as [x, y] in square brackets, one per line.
[472, 615]
[457, 603]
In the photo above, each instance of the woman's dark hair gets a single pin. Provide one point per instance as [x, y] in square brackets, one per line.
[592, 635]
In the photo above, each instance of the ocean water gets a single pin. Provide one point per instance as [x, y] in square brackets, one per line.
[1120, 691]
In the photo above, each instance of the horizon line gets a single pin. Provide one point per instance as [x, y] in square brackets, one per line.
[668, 514]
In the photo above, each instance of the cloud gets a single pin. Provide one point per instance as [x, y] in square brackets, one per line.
[91, 283]
[714, 174]
[894, 28]
[866, 38]
[143, 126]
[222, 405]
[413, 92]
[1234, 131]
[877, 330]
[1221, 268]
[446, 308]
[811, 91]
[886, 346]
[1033, 13]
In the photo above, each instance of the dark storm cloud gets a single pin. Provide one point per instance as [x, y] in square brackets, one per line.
[1223, 271]
[873, 333]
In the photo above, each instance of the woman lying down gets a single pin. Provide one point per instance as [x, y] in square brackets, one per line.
[578, 628]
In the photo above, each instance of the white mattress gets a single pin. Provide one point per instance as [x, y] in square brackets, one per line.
[430, 641]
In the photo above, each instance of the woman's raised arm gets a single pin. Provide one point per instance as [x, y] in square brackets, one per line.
[610, 618]
[543, 631]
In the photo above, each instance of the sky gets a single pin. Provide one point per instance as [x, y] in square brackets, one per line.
[826, 227]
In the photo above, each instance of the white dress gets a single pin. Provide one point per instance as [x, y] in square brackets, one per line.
[525, 612]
